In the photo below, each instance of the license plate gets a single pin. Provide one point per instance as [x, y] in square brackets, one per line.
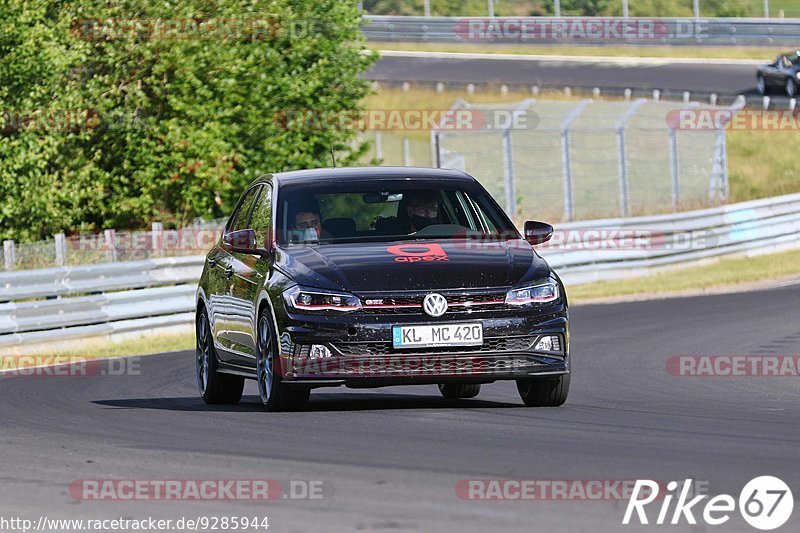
[437, 335]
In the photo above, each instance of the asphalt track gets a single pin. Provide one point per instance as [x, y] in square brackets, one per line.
[391, 457]
[724, 78]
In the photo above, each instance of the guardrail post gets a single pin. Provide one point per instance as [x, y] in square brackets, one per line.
[9, 255]
[61, 249]
[406, 152]
[674, 168]
[111, 244]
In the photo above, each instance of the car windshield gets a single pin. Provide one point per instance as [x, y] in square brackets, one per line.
[381, 210]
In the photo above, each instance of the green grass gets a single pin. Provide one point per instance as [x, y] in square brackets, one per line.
[727, 272]
[701, 52]
[105, 348]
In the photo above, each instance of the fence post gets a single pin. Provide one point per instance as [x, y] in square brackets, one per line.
[378, 146]
[674, 168]
[9, 255]
[436, 150]
[156, 236]
[718, 184]
[566, 158]
[61, 249]
[622, 162]
[508, 175]
[111, 244]
[624, 196]
[406, 152]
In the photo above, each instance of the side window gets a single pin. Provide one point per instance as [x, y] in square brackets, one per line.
[241, 216]
[261, 221]
[487, 220]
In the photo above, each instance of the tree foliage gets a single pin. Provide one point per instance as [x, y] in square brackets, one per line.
[106, 127]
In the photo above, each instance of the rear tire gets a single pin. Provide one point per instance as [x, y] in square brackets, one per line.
[791, 88]
[544, 392]
[459, 390]
[215, 388]
[275, 395]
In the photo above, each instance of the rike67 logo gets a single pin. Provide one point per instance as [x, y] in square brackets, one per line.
[765, 502]
[416, 253]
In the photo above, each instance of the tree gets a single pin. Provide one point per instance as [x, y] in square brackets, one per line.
[184, 105]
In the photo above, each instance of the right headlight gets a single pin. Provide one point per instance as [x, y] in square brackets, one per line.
[534, 294]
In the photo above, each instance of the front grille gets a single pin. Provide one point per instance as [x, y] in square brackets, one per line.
[456, 301]
[493, 344]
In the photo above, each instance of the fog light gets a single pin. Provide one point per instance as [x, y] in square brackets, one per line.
[548, 343]
[318, 351]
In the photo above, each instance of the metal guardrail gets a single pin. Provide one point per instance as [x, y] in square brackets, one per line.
[584, 30]
[756, 226]
[95, 300]
[100, 300]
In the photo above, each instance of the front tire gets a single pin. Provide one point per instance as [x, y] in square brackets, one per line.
[275, 395]
[761, 85]
[544, 392]
[214, 387]
[459, 390]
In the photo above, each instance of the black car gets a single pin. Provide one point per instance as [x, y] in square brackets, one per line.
[367, 277]
[781, 75]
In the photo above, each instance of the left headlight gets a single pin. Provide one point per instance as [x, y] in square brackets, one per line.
[535, 294]
[315, 300]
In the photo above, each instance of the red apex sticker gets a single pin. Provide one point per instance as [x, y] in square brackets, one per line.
[415, 253]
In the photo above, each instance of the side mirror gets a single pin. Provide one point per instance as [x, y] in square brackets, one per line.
[537, 232]
[244, 241]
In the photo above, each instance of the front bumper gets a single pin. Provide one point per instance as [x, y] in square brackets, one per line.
[362, 354]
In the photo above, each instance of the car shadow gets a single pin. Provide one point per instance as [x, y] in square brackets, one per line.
[320, 403]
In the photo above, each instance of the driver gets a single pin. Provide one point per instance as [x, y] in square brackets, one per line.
[307, 217]
[423, 210]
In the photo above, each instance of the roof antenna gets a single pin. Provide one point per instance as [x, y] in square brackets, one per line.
[333, 158]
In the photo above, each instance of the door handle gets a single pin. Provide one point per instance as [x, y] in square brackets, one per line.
[229, 271]
[211, 262]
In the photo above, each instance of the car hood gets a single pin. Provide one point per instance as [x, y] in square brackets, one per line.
[410, 265]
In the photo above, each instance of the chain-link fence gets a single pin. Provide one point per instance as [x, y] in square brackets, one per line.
[567, 160]
[111, 246]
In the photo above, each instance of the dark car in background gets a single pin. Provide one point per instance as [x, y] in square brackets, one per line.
[368, 277]
[782, 75]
